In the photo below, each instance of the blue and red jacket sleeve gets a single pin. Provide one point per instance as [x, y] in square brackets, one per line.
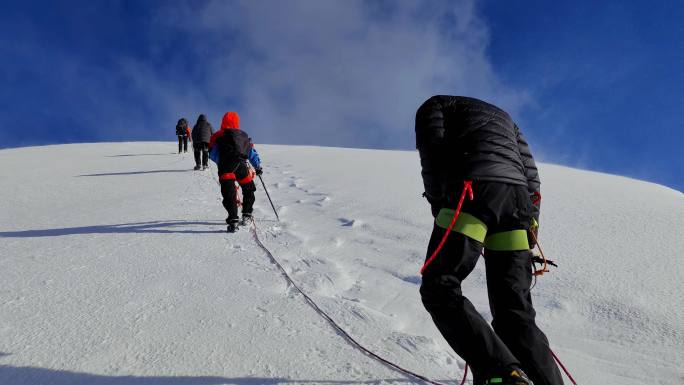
[254, 157]
[213, 150]
[214, 137]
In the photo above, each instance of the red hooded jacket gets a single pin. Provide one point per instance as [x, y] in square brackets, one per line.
[234, 147]
[230, 120]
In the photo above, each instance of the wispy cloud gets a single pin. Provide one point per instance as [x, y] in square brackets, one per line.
[341, 73]
[346, 73]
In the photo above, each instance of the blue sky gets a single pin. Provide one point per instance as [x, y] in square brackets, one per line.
[595, 85]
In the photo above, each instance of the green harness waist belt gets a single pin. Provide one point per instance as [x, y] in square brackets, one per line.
[474, 228]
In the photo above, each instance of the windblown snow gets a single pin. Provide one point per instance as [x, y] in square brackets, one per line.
[115, 268]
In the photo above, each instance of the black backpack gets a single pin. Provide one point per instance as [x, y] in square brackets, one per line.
[182, 127]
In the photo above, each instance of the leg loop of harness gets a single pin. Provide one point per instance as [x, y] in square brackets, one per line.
[467, 188]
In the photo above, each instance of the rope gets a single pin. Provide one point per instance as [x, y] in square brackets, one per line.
[467, 187]
[567, 373]
[545, 267]
[541, 272]
[334, 324]
[465, 374]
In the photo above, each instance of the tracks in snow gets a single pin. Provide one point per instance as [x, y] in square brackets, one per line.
[320, 252]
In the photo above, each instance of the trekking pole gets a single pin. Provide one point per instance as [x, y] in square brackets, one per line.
[269, 198]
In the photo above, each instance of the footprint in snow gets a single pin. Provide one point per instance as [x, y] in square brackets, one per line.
[238, 248]
[350, 222]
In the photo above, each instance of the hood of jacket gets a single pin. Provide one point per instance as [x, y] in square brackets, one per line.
[231, 120]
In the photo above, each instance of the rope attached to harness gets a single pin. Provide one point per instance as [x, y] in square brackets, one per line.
[467, 187]
[545, 262]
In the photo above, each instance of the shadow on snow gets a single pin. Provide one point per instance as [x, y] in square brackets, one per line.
[154, 227]
[136, 172]
[32, 375]
[122, 155]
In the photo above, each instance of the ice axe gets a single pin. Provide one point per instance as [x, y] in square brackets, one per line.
[269, 198]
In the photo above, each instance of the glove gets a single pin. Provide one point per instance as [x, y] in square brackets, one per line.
[259, 171]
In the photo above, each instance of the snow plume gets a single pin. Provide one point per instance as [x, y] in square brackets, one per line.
[335, 73]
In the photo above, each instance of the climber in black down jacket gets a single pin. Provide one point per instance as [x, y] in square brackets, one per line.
[201, 135]
[469, 146]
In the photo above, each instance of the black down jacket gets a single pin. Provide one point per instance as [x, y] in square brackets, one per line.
[202, 131]
[461, 138]
[182, 127]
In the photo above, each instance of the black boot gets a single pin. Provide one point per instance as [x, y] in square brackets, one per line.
[232, 224]
[509, 377]
[197, 167]
[246, 219]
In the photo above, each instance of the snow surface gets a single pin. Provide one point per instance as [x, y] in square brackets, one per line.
[114, 269]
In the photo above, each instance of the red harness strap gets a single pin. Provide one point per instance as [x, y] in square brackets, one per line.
[231, 176]
[248, 178]
[227, 176]
[467, 187]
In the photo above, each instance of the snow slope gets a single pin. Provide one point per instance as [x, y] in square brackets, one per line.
[114, 269]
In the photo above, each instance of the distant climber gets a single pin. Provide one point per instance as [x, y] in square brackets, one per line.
[472, 152]
[233, 151]
[201, 135]
[182, 132]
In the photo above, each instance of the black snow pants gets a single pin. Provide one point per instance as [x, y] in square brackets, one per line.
[229, 192]
[515, 339]
[182, 144]
[201, 154]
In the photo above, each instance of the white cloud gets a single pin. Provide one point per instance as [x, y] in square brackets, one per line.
[347, 73]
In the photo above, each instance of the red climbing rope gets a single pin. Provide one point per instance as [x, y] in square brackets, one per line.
[467, 187]
[465, 374]
[567, 373]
